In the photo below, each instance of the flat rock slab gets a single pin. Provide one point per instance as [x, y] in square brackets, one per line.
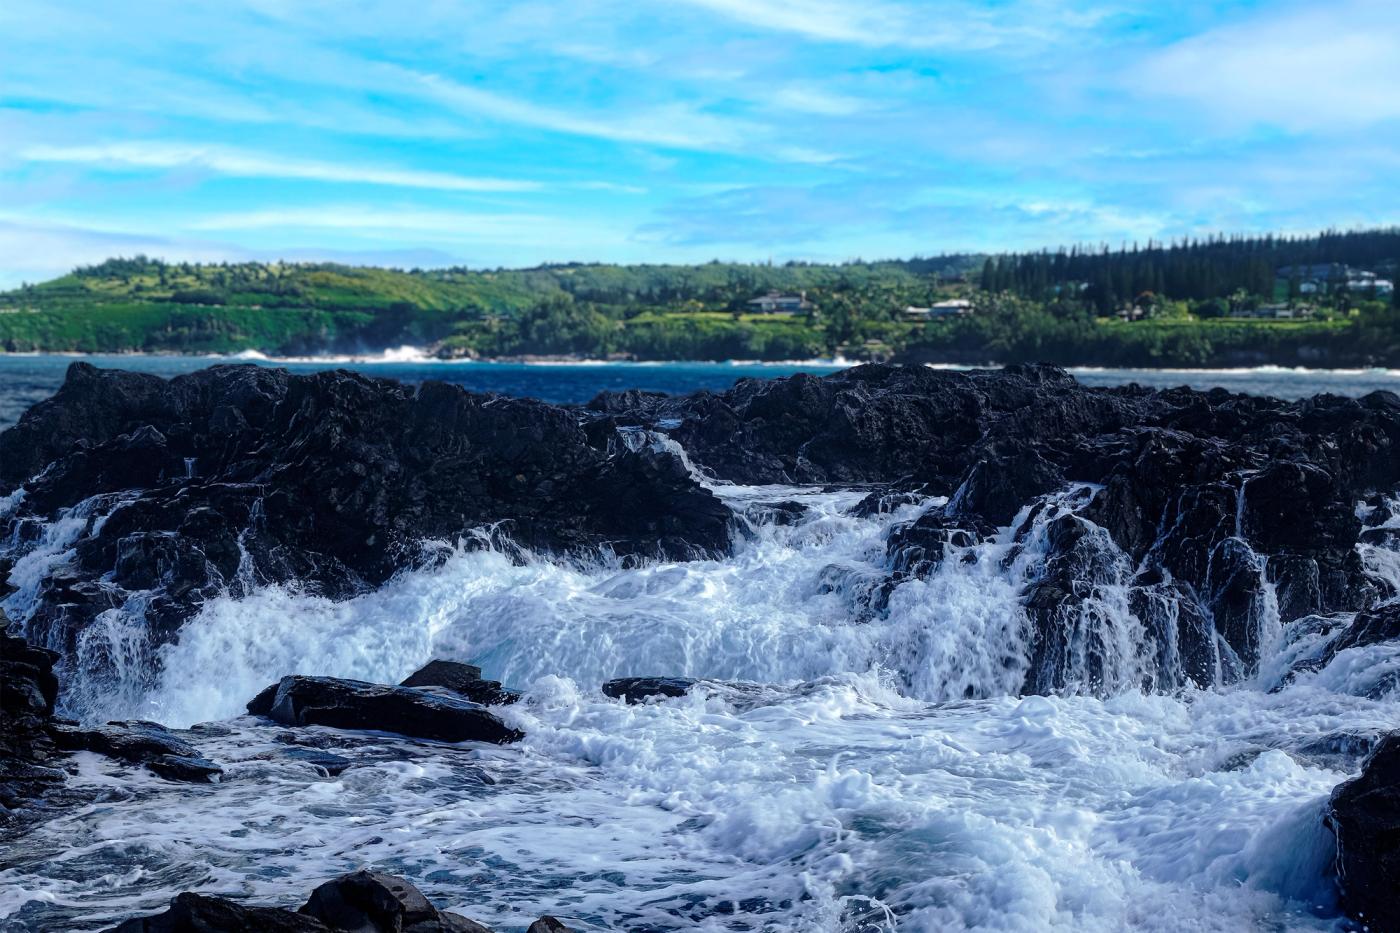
[425, 713]
[141, 742]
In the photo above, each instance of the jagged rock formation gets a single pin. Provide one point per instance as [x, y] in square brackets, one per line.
[361, 902]
[1200, 501]
[28, 753]
[237, 475]
[1365, 815]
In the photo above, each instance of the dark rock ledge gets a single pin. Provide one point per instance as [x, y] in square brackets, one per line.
[238, 475]
[362, 902]
[29, 756]
[1364, 813]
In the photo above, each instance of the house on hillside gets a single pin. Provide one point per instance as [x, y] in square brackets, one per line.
[1365, 283]
[953, 307]
[777, 303]
[1275, 312]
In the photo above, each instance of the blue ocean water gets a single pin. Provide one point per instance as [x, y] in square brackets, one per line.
[26, 379]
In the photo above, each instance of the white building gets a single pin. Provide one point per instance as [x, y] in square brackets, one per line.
[953, 307]
[777, 303]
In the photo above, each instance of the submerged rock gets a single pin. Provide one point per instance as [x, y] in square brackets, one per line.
[461, 678]
[639, 689]
[1365, 815]
[361, 902]
[425, 713]
[141, 742]
[325, 762]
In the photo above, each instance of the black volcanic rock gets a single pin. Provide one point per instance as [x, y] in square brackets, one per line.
[461, 678]
[236, 476]
[1365, 815]
[425, 713]
[373, 901]
[548, 924]
[360, 902]
[141, 742]
[239, 475]
[1220, 502]
[28, 752]
[199, 913]
[639, 689]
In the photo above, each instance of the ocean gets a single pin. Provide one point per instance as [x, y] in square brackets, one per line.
[852, 773]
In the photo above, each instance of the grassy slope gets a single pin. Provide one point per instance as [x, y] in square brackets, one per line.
[649, 312]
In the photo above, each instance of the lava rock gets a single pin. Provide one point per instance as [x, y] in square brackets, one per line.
[28, 752]
[548, 924]
[329, 764]
[184, 768]
[1364, 813]
[141, 742]
[425, 713]
[331, 480]
[198, 913]
[461, 678]
[639, 689]
[372, 901]
[361, 902]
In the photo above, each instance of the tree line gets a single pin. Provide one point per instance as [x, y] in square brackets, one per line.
[1191, 269]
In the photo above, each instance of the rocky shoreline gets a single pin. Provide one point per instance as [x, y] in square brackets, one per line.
[1200, 507]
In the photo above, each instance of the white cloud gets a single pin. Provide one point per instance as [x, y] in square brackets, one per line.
[1304, 69]
[224, 161]
[806, 98]
[951, 26]
[536, 231]
[676, 126]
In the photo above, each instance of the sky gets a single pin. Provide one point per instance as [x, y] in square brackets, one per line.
[506, 134]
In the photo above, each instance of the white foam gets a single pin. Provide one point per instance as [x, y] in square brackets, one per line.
[877, 775]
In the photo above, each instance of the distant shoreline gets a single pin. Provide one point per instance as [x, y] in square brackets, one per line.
[415, 356]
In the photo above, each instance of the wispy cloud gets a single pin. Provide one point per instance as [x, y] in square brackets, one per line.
[174, 155]
[955, 26]
[607, 129]
[439, 226]
[676, 126]
[1300, 69]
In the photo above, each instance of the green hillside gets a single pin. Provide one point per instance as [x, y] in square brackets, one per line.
[1319, 301]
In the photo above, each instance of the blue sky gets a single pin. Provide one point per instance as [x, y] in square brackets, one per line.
[514, 133]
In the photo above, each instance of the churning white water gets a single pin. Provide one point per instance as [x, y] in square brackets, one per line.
[859, 770]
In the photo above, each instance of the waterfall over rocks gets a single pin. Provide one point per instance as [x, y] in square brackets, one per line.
[986, 649]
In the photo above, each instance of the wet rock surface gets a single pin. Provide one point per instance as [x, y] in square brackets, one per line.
[30, 759]
[146, 743]
[1364, 813]
[425, 713]
[361, 902]
[464, 679]
[238, 475]
[640, 689]
[1201, 505]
